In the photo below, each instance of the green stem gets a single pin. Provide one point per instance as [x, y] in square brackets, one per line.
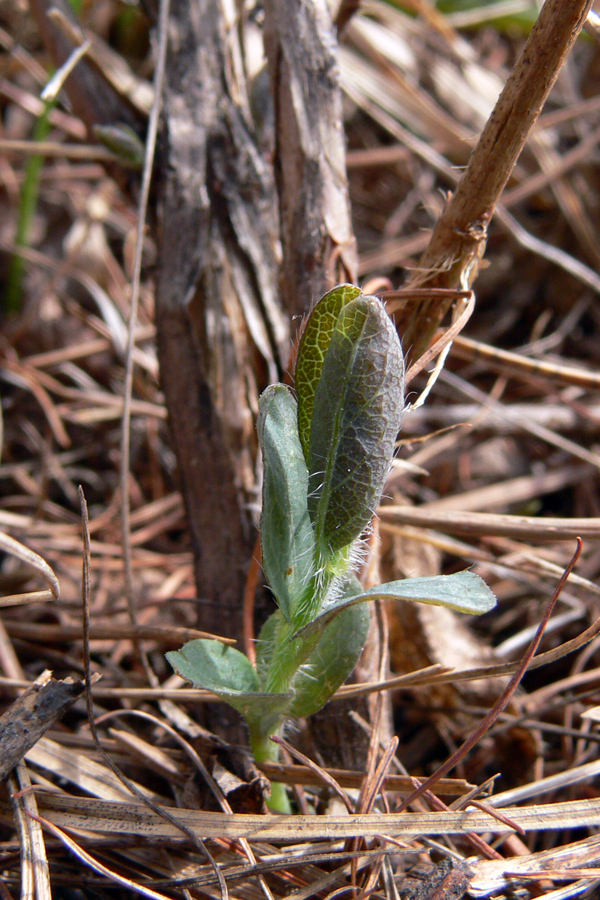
[29, 199]
[279, 800]
[265, 750]
[288, 656]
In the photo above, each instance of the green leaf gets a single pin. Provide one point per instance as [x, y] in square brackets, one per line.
[123, 141]
[228, 673]
[214, 666]
[464, 591]
[312, 348]
[266, 645]
[286, 531]
[328, 664]
[358, 406]
[332, 661]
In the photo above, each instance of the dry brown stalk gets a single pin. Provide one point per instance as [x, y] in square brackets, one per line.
[529, 528]
[459, 238]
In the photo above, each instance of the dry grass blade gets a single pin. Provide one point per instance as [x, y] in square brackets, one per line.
[35, 876]
[36, 562]
[96, 866]
[131, 818]
[515, 364]
[159, 76]
[491, 876]
[309, 775]
[525, 528]
[85, 774]
[553, 782]
[48, 148]
[129, 784]
[58, 633]
[506, 695]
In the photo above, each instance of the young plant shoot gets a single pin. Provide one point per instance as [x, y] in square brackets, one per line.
[327, 451]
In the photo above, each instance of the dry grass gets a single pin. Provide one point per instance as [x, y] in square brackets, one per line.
[498, 470]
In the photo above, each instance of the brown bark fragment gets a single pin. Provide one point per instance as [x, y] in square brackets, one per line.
[219, 329]
[448, 880]
[31, 715]
[319, 248]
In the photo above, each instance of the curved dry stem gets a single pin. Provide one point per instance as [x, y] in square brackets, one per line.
[15, 548]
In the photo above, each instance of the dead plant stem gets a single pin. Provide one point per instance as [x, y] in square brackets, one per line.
[459, 238]
[159, 75]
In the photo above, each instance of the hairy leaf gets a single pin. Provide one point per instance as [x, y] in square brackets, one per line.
[214, 666]
[313, 346]
[358, 406]
[228, 673]
[463, 591]
[286, 530]
[332, 661]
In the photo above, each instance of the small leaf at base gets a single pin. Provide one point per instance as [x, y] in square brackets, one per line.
[214, 666]
[226, 672]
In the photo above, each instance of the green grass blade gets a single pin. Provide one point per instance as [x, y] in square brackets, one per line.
[29, 199]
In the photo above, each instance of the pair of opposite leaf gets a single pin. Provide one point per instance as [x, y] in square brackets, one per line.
[326, 455]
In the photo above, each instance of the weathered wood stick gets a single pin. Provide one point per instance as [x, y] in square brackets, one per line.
[31, 715]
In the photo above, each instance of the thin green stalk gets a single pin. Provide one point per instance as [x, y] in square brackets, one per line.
[288, 656]
[29, 199]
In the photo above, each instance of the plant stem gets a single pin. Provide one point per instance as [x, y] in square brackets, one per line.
[459, 238]
[265, 750]
[279, 800]
[29, 199]
[288, 656]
